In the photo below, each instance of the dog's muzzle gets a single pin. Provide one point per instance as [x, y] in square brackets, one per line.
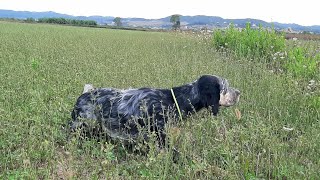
[230, 97]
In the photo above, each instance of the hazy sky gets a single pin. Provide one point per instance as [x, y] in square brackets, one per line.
[305, 12]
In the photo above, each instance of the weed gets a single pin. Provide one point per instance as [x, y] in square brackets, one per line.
[35, 64]
[266, 45]
[301, 64]
[258, 44]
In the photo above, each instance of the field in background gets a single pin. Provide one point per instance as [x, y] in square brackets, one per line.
[302, 36]
[43, 70]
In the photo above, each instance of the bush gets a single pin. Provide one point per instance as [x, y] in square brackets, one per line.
[266, 45]
[250, 43]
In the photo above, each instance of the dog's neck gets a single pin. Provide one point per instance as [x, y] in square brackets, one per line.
[188, 98]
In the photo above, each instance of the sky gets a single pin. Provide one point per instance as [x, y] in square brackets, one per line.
[301, 12]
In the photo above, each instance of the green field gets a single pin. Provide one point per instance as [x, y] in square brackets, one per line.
[43, 70]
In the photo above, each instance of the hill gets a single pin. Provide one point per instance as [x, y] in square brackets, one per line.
[188, 22]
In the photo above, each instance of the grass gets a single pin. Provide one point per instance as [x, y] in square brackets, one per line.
[43, 70]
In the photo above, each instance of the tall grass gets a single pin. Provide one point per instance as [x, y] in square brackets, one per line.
[257, 44]
[43, 70]
[261, 44]
[302, 64]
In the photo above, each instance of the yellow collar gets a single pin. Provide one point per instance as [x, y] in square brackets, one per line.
[175, 101]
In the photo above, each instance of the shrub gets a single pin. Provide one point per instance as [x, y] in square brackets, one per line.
[266, 45]
[258, 44]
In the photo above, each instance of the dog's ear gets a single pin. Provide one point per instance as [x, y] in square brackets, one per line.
[209, 90]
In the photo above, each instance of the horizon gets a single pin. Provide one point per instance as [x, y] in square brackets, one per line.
[272, 11]
[150, 18]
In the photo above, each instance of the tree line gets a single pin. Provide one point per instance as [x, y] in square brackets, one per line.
[89, 23]
[175, 20]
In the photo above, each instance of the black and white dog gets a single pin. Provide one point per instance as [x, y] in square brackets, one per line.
[122, 114]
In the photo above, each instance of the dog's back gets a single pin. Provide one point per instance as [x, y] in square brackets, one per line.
[115, 109]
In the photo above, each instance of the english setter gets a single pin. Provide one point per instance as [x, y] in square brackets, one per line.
[123, 114]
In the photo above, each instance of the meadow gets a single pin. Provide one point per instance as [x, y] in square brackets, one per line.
[43, 70]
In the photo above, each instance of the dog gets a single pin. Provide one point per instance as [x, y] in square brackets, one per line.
[132, 113]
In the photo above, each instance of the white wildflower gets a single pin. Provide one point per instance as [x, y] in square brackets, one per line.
[287, 129]
[312, 82]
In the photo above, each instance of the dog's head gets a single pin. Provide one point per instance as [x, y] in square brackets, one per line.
[228, 95]
[215, 91]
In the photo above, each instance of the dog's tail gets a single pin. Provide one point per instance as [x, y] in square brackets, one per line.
[87, 88]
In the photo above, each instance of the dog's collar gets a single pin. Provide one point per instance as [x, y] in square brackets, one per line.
[176, 102]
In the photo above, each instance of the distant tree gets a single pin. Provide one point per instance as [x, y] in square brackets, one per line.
[117, 21]
[30, 20]
[175, 20]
